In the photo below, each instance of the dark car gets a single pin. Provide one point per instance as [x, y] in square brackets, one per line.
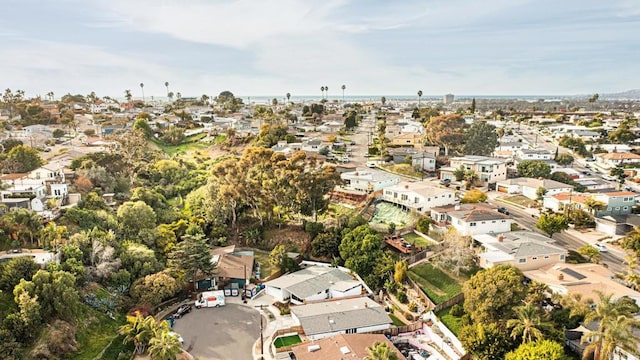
[445, 182]
[503, 210]
[586, 173]
[183, 309]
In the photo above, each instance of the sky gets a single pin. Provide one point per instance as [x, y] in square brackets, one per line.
[271, 47]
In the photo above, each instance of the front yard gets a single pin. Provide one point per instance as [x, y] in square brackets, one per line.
[522, 201]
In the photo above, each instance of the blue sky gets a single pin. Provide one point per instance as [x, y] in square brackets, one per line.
[270, 47]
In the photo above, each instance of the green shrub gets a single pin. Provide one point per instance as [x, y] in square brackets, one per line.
[402, 297]
[423, 225]
[413, 307]
[456, 310]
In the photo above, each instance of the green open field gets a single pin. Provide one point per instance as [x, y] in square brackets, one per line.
[95, 331]
[287, 341]
[438, 286]
[189, 143]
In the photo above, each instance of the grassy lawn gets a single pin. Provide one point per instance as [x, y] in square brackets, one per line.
[396, 321]
[287, 341]
[454, 323]
[189, 143]
[417, 240]
[522, 201]
[403, 169]
[438, 286]
[95, 332]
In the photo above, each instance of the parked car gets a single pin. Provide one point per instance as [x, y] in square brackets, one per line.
[586, 173]
[503, 210]
[445, 182]
[173, 333]
[183, 309]
[601, 247]
[371, 164]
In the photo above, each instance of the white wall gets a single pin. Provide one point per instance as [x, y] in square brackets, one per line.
[339, 294]
[482, 227]
[366, 329]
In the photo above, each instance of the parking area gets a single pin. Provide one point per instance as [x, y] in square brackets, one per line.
[228, 332]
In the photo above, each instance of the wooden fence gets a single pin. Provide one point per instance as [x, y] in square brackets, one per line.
[454, 300]
[395, 330]
[425, 299]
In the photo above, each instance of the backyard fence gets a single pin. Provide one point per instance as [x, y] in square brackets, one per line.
[454, 300]
[425, 299]
[395, 330]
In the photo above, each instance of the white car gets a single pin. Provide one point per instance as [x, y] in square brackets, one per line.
[600, 247]
[173, 333]
[371, 164]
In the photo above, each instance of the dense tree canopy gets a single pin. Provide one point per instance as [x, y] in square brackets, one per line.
[491, 294]
[446, 131]
[534, 169]
[480, 139]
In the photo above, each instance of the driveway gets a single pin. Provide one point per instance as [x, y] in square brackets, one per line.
[228, 332]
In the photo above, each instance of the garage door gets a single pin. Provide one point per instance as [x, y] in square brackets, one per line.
[503, 189]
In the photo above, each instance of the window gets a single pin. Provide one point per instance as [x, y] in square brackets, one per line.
[625, 208]
[404, 197]
[472, 224]
[562, 257]
[416, 200]
[395, 195]
[534, 258]
[522, 261]
[493, 221]
[352, 331]
[504, 221]
[546, 256]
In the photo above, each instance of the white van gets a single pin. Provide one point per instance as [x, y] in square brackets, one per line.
[210, 299]
[371, 164]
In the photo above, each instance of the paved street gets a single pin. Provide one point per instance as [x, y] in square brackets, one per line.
[613, 260]
[228, 332]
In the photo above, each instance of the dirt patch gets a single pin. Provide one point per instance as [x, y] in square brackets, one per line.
[294, 237]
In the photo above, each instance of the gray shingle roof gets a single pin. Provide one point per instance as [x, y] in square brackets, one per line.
[333, 316]
[313, 280]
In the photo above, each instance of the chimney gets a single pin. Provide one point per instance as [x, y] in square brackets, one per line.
[500, 238]
[560, 276]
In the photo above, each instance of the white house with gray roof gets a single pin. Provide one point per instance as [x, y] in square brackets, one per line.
[529, 187]
[312, 284]
[345, 316]
[368, 180]
[471, 219]
[525, 250]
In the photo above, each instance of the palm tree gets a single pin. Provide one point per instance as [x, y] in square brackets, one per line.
[419, 97]
[170, 95]
[166, 85]
[127, 95]
[610, 315]
[619, 333]
[138, 331]
[142, 88]
[633, 279]
[326, 92]
[381, 351]
[322, 90]
[594, 205]
[178, 96]
[528, 324]
[163, 345]
[288, 96]
[470, 177]
[343, 89]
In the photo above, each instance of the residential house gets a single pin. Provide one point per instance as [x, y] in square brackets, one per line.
[525, 250]
[234, 268]
[418, 196]
[584, 279]
[408, 139]
[341, 347]
[587, 136]
[529, 187]
[534, 154]
[512, 146]
[314, 283]
[424, 161]
[488, 169]
[343, 316]
[617, 203]
[368, 180]
[471, 219]
[560, 202]
[611, 160]
[595, 184]
[313, 145]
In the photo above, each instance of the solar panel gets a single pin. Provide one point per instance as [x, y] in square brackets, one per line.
[573, 274]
